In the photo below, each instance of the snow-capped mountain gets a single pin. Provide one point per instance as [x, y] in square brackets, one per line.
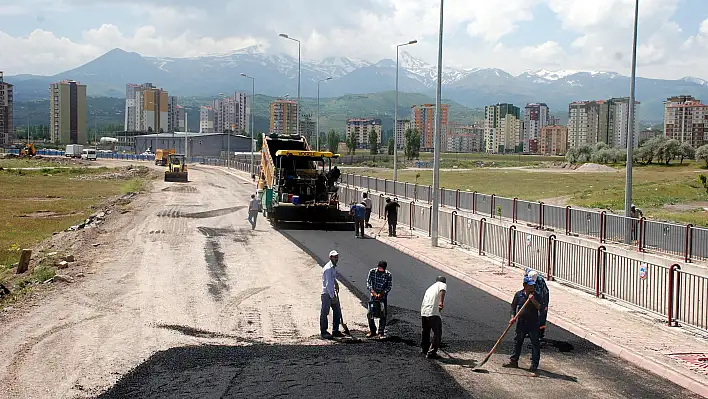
[276, 75]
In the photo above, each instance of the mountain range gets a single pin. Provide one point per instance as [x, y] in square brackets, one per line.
[276, 75]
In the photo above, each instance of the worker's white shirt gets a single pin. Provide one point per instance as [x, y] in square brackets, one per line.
[432, 299]
[367, 203]
[254, 205]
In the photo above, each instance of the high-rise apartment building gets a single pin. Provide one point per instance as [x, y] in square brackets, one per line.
[67, 112]
[7, 129]
[361, 128]
[206, 119]
[606, 121]
[686, 120]
[502, 128]
[400, 131]
[464, 138]
[423, 117]
[536, 117]
[553, 140]
[174, 113]
[230, 113]
[283, 117]
[146, 108]
[618, 122]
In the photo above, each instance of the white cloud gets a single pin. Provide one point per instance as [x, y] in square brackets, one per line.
[549, 50]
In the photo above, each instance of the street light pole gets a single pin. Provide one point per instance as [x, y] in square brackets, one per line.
[250, 111]
[630, 128]
[317, 136]
[297, 115]
[436, 140]
[395, 117]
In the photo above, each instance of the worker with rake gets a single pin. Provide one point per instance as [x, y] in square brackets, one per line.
[525, 308]
[379, 283]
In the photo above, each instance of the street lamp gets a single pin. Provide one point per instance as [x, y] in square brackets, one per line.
[317, 137]
[630, 129]
[395, 117]
[250, 111]
[436, 140]
[228, 134]
[297, 116]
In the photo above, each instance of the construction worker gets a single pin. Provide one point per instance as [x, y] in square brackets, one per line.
[391, 215]
[253, 208]
[541, 292]
[368, 204]
[527, 323]
[430, 309]
[358, 211]
[379, 283]
[636, 214]
[330, 298]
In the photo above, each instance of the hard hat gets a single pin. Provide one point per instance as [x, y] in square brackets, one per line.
[333, 253]
[528, 280]
[533, 274]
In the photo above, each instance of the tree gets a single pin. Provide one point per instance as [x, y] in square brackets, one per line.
[259, 141]
[351, 143]
[686, 151]
[373, 142]
[571, 156]
[391, 144]
[702, 154]
[332, 141]
[668, 150]
[411, 147]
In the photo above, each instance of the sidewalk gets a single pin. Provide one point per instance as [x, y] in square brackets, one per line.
[638, 338]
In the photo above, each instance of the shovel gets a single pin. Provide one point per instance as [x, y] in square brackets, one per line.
[511, 323]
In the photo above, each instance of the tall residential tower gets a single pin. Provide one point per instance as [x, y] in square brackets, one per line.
[67, 112]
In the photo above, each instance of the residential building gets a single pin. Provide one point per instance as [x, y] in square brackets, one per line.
[230, 113]
[206, 120]
[283, 116]
[536, 117]
[67, 112]
[361, 128]
[686, 120]
[555, 120]
[400, 132]
[423, 117]
[553, 140]
[648, 134]
[146, 108]
[7, 130]
[173, 115]
[464, 138]
[618, 122]
[502, 128]
[586, 122]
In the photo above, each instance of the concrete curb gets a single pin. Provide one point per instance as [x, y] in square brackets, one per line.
[661, 369]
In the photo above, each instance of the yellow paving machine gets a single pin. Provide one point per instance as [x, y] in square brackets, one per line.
[176, 168]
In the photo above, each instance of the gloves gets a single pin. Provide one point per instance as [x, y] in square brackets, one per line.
[335, 300]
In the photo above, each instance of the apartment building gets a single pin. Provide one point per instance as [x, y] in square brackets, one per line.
[618, 122]
[502, 128]
[361, 128]
[536, 117]
[686, 120]
[464, 138]
[175, 115]
[206, 119]
[423, 119]
[67, 112]
[400, 132]
[553, 140]
[283, 116]
[147, 108]
[586, 122]
[230, 113]
[7, 129]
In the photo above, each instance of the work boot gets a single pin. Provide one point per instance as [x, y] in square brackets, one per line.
[371, 335]
[326, 335]
[534, 369]
[432, 355]
[512, 364]
[338, 334]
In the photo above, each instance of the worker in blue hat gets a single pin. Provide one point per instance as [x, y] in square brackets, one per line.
[526, 323]
[541, 293]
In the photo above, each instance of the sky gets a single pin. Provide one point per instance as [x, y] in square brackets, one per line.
[51, 36]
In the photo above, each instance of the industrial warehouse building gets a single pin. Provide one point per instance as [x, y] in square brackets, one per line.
[199, 144]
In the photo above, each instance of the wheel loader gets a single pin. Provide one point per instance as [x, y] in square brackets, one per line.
[176, 168]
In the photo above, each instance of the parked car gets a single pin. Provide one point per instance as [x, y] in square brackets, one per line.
[89, 154]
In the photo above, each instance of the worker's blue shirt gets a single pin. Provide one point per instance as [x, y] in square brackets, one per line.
[359, 211]
[530, 313]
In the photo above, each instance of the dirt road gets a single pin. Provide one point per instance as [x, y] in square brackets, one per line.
[182, 268]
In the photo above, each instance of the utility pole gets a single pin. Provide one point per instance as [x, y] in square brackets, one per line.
[395, 116]
[630, 131]
[436, 139]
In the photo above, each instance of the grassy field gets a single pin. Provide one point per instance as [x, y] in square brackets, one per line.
[36, 204]
[26, 163]
[464, 160]
[654, 187]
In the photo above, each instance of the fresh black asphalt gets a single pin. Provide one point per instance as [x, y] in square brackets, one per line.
[473, 321]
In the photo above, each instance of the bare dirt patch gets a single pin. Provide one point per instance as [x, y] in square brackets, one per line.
[124, 173]
[47, 214]
[595, 168]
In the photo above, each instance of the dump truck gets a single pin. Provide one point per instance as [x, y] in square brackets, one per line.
[297, 184]
[176, 168]
[161, 156]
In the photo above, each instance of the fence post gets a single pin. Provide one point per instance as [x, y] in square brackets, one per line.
[689, 243]
[430, 193]
[405, 189]
[415, 192]
[600, 261]
[672, 281]
[474, 202]
[430, 222]
[541, 214]
[491, 205]
[381, 206]
[385, 186]
[603, 226]
[552, 246]
[453, 230]
[481, 236]
[511, 240]
[411, 211]
[642, 233]
[514, 205]
[568, 221]
[395, 183]
[457, 199]
[442, 196]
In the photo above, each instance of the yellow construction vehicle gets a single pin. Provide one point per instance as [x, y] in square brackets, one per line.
[28, 151]
[162, 154]
[176, 168]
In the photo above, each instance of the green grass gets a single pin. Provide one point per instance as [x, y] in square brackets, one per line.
[25, 163]
[135, 185]
[464, 160]
[653, 187]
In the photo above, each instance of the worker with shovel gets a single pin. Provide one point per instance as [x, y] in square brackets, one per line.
[526, 323]
[430, 309]
[541, 292]
[379, 283]
[330, 298]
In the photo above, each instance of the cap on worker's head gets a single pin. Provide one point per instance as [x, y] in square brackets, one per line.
[382, 264]
[528, 280]
[533, 274]
[441, 279]
[633, 206]
[253, 195]
[388, 199]
[333, 253]
[395, 200]
[365, 195]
